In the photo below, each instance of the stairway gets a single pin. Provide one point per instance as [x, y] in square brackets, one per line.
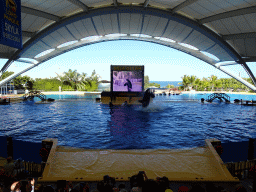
[219, 96]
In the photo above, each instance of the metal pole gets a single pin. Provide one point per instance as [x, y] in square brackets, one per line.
[9, 147]
[251, 149]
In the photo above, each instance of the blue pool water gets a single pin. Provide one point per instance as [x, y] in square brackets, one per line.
[169, 122]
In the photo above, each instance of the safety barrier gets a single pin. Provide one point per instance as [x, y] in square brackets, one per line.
[33, 169]
[33, 94]
[219, 96]
[241, 169]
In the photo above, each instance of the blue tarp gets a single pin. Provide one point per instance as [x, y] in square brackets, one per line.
[236, 151]
[28, 151]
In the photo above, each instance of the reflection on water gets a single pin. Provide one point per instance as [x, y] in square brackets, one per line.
[129, 127]
[169, 122]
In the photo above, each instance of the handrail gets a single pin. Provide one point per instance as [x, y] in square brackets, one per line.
[219, 96]
[240, 169]
[33, 94]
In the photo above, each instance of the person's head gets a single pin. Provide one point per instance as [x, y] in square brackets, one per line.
[9, 159]
[197, 188]
[84, 187]
[15, 186]
[25, 186]
[48, 188]
[39, 188]
[100, 186]
[108, 188]
[183, 189]
[211, 187]
[163, 183]
[121, 186]
[1, 187]
[240, 189]
[149, 185]
[74, 190]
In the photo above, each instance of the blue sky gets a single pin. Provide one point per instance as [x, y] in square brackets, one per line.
[161, 63]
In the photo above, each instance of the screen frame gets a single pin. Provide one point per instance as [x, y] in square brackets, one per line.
[126, 68]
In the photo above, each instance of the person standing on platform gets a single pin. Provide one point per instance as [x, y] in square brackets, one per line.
[9, 171]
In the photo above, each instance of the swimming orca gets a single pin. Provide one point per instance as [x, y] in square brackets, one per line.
[128, 84]
[146, 98]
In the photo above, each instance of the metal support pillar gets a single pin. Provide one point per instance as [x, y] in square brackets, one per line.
[241, 80]
[251, 149]
[6, 80]
[9, 147]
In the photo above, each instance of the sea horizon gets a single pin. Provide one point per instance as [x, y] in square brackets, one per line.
[165, 83]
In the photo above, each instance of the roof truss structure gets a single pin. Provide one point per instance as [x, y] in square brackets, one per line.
[195, 27]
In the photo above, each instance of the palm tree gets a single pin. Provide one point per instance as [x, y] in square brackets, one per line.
[85, 81]
[185, 81]
[71, 78]
[79, 81]
[197, 83]
[192, 80]
[212, 81]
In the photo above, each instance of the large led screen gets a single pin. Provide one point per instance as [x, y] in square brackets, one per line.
[127, 79]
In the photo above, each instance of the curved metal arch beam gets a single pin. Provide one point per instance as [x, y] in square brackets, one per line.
[196, 54]
[134, 9]
[6, 80]
[39, 13]
[183, 5]
[238, 12]
[176, 46]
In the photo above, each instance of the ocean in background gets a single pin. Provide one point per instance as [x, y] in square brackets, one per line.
[165, 83]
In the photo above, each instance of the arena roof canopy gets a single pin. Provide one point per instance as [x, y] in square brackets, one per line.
[220, 32]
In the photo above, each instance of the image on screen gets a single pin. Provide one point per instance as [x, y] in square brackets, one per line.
[127, 81]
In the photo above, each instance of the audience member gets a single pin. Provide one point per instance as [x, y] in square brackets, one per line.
[163, 184]
[23, 185]
[1, 187]
[183, 189]
[121, 188]
[137, 181]
[15, 186]
[240, 189]
[100, 186]
[48, 188]
[109, 180]
[74, 190]
[19, 166]
[84, 187]
[197, 188]
[108, 188]
[150, 185]
[210, 187]
[9, 173]
[39, 188]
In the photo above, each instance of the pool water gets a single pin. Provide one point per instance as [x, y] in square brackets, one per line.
[176, 121]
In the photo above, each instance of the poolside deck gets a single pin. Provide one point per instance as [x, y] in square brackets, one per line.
[194, 165]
